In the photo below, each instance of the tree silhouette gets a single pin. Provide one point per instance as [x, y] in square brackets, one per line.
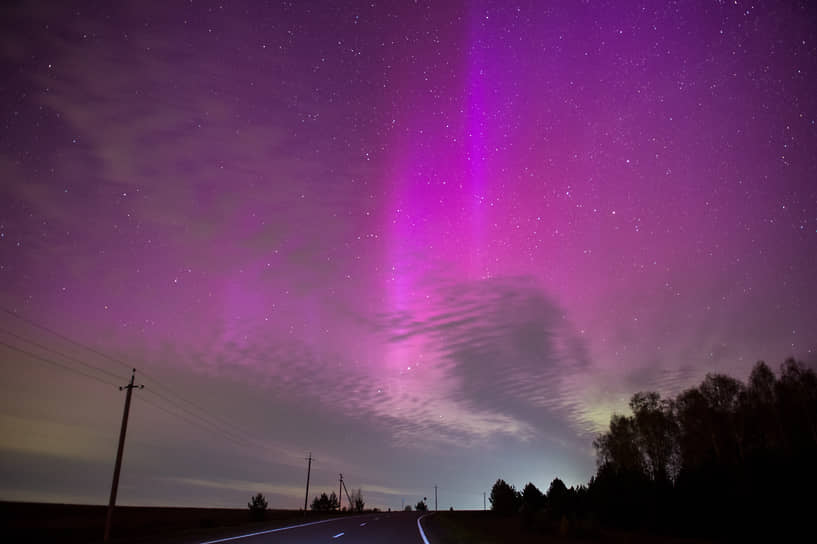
[656, 430]
[724, 459]
[325, 503]
[421, 506]
[504, 498]
[618, 447]
[713, 456]
[258, 507]
[558, 498]
[357, 500]
[532, 499]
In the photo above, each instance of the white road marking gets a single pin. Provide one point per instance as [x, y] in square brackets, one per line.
[420, 527]
[272, 530]
[339, 534]
[362, 524]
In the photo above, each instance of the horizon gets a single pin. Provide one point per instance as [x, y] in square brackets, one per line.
[433, 244]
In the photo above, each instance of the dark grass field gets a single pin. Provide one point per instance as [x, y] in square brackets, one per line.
[72, 523]
[488, 528]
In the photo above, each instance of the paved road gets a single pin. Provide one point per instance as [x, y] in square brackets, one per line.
[391, 528]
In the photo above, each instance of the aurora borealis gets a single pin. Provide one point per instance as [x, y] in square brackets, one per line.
[430, 242]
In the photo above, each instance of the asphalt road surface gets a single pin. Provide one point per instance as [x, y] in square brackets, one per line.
[391, 528]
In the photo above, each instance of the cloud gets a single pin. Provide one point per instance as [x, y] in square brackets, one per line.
[486, 359]
[241, 485]
[505, 347]
[483, 360]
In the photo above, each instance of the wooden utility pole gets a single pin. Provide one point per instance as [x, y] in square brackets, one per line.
[483, 501]
[115, 484]
[308, 470]
[343, 484]
[435, 498]
[340, 489]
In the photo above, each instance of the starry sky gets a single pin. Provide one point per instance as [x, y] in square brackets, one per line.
[433, 243]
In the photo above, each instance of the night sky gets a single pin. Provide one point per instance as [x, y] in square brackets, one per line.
[430, 242]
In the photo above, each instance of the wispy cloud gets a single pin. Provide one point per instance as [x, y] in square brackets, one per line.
[489, 359]
[241, 485]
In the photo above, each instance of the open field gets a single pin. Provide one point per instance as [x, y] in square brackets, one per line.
[487, 528]
[73, 523]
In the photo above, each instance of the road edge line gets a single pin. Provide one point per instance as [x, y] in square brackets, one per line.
[277, 530]
[420, 527]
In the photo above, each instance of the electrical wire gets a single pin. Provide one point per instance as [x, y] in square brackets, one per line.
[67, 339]
[215, 422]
[252, 447]
[218, 419]
[213, 425]
[194, 419]
[56, 364]
[61, 354]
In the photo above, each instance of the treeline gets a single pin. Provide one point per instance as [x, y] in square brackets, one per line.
[724, 459]
[331, 503]
[561, 509]
[259, 508]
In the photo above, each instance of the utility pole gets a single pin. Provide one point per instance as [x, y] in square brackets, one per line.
[435, 498]
[308, 470]
[483, 501]
[347, 492]
[340, 487]
[115, 484]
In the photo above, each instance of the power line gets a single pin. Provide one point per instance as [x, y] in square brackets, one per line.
[61, 354]
[211, 424]
[340, 498]
[71, 369]
[194, 421]
[198, 422]
[208, 422]
[248, 442]
[218, 423]
[59, 365]
[215, 418]
[308, 471]
[155, 382]
[67, 339]
[214, 426]
[103, 371]
[119, 450]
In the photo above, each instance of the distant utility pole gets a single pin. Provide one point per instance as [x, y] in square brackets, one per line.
[342, 483]
[435, 498]
[308, 470]
[115, 484]
[340, 487]
[483, 501]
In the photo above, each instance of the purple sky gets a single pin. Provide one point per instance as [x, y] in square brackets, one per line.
[431, 242]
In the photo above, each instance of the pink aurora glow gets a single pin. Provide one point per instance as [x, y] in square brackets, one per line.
[440, 228]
